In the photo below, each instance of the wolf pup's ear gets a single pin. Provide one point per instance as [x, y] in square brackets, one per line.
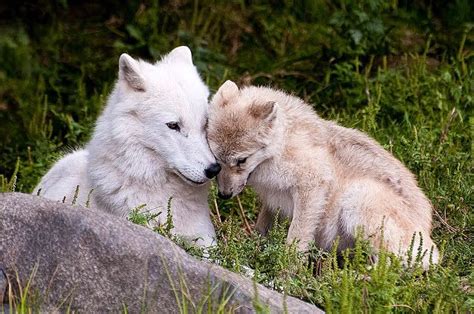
[266, 112]
[181, 53]
[129, 72]
[227, 91]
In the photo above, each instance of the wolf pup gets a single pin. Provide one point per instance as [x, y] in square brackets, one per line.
[330, 180]
[149, 145]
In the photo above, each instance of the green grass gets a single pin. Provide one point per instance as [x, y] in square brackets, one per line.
[403, 72]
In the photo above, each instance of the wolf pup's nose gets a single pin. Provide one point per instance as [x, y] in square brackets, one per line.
[224, 196]
[212, 170]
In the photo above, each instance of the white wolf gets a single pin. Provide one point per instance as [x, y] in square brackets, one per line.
[328, 179]
[149, 145]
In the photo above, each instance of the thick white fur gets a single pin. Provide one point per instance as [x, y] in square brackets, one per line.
[330, 180]
[135, 158]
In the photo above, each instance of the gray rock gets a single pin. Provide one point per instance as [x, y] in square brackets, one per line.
[5, 309]
[90, 261]
[3, 284]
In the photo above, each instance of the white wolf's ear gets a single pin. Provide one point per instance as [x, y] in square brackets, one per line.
[227, 91]
[181, 53]
[266, 112]
[129, 72]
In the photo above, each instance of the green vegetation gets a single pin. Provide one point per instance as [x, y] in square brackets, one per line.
[402, 71]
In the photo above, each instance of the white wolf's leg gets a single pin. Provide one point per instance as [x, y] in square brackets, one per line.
[61, 181]
[265, 220]
[308, 209]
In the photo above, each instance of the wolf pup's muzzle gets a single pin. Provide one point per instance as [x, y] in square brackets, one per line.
[224, 196]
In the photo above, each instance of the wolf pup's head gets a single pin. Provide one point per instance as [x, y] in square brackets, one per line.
[239, 132]
[164, 107]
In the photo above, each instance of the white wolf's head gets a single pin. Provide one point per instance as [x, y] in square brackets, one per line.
[240, 131]
[163, 106]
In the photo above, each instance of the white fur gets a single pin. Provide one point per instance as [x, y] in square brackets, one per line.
[135, 158]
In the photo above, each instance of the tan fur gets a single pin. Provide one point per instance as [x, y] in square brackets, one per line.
[330, 180]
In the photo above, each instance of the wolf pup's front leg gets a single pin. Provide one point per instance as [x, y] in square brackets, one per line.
[265, 221]
[309, 206]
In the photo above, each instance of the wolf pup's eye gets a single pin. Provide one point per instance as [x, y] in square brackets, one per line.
[173, 126]
[241, 161]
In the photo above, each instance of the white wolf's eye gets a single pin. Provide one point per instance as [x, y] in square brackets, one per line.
[173, 126]
[241, 161]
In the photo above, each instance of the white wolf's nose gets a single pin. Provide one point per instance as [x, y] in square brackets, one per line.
[212, 170]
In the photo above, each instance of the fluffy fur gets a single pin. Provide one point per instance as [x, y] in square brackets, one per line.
[149, 145]
[330, 180]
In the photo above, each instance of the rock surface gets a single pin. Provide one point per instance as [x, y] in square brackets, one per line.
[3, 285]
[90, 261]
